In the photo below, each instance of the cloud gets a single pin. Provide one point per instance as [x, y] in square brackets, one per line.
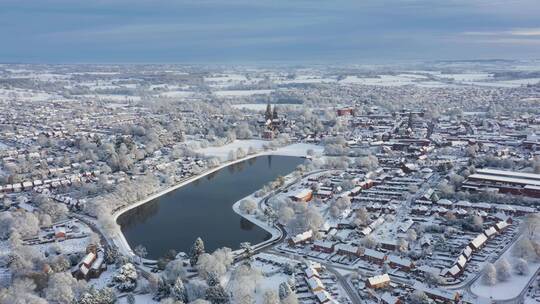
[518, 32]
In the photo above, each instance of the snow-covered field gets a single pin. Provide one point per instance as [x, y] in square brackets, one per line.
[173, 94]
[234, 93]
[222, 152]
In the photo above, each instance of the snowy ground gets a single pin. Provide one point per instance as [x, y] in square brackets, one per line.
[174, 94]
[3, 146]
[505, 290]
[234, 93]
[222, 152]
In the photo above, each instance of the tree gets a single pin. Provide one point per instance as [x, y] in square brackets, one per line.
[141, 252]
[216, 263]
[490, 275]
[178, 290]
[284, 290]
[521, 266]
[533, 224]
[248, 250]
[503, 270]
[131, 298]
[101, 296]
[63, 288]
[21, 291]
[361, 216]
[126, 278]
[340, 205]
[411, 235]
[270, 297]
[217, 295]
[196, 250]
[524, 249]
[418, 297]
[248, 206]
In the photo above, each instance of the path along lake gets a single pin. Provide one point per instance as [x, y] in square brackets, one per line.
[203, 208]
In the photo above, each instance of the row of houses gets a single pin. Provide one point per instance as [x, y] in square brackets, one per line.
[313, 280]
[49, 183]
[474, 246]
[424, 206]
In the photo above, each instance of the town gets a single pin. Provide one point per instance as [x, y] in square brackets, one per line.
[328, 184]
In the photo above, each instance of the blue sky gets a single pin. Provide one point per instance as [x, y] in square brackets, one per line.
[251, 31]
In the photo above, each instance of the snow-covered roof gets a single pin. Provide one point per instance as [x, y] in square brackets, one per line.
[314, 283]
[490, 231]
[479, 240]
[379, 279]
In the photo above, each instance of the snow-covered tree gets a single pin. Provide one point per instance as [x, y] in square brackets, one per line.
[504, 270]
[411, 235]
[524, 249]
[126, 278]
[98, 296]
[217, 295]
[20, 292]
[361, 217]
[141, 252]
[284, 290]
[63, 288]
[216, 263]
[270, 297]
[178, 290]
[418, 297]
[248, 206]
[489, 277]
[196, 250]
[521, 266]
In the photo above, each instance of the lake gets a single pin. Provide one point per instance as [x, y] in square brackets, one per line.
[203, 208]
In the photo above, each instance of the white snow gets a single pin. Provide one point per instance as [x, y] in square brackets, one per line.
[222, 152]
[235, 93]
[505, 290]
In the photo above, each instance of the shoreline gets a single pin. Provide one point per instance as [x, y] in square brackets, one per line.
[120, 240]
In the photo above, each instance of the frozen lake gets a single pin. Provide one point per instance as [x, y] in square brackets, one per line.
[203, 208]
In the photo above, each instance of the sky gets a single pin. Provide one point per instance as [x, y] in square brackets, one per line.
[251, 31]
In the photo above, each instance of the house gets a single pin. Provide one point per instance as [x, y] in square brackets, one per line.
[347, 249]
[315, 284]
[373, 256]
[302, 195]
[490, 232]
[323, 246]
[387, 298]
[301, 238]
[437, 294]
[478, 242]
[500, 226]
[379, 281]
[59, 232]
[312, 272]
[401, 263]
[324, 297]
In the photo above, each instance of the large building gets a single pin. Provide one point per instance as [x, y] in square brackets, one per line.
[518, 183]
